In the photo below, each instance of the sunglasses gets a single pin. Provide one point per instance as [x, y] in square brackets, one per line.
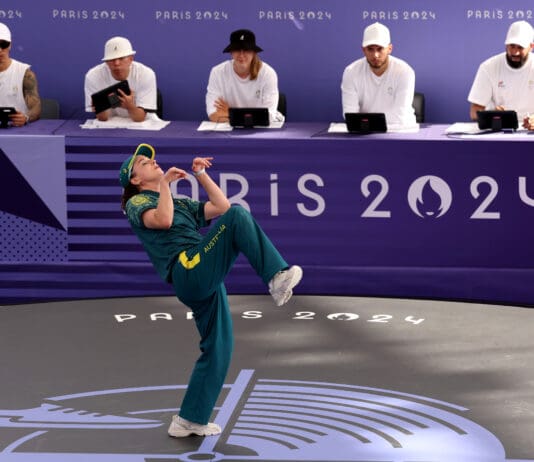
[4, 44]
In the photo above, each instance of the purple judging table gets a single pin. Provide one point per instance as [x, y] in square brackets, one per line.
[403, 215]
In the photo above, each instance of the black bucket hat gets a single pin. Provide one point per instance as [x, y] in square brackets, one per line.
[242, 39]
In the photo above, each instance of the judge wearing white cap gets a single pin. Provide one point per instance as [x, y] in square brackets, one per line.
[380, 82]
[506, 81]
[18, 84]
[119, 65]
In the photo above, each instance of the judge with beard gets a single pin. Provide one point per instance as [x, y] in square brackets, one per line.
[506, 81]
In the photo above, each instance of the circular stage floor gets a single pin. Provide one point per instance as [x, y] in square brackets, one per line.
[321, 379]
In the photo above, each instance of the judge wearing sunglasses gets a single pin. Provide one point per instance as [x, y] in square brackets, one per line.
[18, 84]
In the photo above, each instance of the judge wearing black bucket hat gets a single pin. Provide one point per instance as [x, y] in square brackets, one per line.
[243, 81]
[242, 39]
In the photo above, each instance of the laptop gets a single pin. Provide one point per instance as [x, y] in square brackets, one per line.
[497, 120]
[109, 97]
[249, 117]
[365, 122]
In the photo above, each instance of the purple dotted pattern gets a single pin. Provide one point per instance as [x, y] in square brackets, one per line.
[30, 241]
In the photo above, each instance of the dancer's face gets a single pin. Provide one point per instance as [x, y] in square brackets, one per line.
[145, 170]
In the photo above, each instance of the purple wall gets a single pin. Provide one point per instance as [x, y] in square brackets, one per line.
[309, 42]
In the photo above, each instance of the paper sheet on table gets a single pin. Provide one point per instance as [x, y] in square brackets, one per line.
[471, 130]
[152, 122]
[337, 128]
[341, 127]
[206, 126]
[464, 128]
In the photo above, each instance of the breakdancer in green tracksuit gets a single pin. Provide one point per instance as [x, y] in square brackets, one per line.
[196, 266]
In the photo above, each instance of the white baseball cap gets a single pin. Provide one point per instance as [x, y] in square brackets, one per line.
[376, 34]
[520, 33]
[5, 33]
[117, 47]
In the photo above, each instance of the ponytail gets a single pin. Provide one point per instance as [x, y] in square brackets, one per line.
[127, 194]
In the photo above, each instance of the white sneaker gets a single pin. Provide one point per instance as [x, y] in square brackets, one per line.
[180, 427]
[282, 283]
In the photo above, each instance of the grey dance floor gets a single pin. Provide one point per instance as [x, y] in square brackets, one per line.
[322, 379]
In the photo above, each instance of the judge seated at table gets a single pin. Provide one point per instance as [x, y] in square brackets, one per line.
[18, 84]
[119, 65]
[243, 81]
[506, 81]
[380, 82]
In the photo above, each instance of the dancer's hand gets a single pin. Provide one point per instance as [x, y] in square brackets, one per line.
[201, 162]
[174, 174]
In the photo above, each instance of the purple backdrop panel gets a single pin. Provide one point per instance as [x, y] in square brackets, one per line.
[332, 201]
[37, 165]
[413, 215]
[308, 42]
[33, 208]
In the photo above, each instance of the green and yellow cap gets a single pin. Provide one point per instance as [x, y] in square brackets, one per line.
[125, 172]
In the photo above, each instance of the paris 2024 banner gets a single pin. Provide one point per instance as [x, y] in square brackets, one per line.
[308, 42]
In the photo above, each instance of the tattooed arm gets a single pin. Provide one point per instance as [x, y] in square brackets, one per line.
[33, 101]
[31, 95]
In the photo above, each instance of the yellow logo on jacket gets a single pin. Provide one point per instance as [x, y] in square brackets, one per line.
[189, 263]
